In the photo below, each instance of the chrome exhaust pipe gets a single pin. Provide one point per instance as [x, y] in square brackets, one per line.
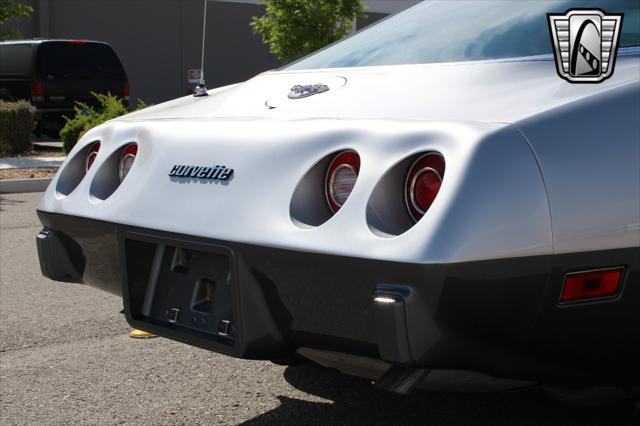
[401, 379]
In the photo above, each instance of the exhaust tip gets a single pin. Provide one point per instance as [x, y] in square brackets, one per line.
[401, 379]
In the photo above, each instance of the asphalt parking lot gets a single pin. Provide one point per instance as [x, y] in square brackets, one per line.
[65, 357]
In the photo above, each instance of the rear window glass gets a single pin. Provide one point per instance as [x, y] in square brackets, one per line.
[15, 59]
[79, 61]
[454, 30]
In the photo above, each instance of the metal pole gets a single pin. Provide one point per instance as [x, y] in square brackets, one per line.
[204, 31]
[201, 88]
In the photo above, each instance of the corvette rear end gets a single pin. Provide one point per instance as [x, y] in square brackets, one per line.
[476, 215]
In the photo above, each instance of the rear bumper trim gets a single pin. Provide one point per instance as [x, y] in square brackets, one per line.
[499, 317]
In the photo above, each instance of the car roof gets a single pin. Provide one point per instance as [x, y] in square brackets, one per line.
[41, 40]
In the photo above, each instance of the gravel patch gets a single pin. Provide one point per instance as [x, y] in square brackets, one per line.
[31, 173]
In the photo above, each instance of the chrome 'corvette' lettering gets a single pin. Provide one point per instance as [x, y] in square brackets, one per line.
[215, 172]
[201, 172]
[204, 172]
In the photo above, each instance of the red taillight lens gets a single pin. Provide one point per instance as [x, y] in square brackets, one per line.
[91, 155]
[127, 158]
[125, 90]
[37, 91]
[591, 285]
[341, 178]
[423, 184]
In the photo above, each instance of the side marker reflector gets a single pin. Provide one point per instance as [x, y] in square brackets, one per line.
[594, 284]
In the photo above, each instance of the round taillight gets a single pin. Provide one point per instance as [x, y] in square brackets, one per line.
[127, 158]
[341, 178]
[91, 156]
[423, 183]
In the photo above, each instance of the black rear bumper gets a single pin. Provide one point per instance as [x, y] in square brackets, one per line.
[499, 317]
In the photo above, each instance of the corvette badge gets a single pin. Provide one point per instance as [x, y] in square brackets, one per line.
[300, 91]
[201, 172]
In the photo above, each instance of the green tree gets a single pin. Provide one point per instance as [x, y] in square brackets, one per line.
[12, 9]
[294, 28]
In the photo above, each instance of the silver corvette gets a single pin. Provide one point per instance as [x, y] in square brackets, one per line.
[440, 191]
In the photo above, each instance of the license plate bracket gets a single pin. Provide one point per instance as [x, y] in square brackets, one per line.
[181, 289]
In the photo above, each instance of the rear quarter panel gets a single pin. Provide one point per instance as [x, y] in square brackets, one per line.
[589, 154]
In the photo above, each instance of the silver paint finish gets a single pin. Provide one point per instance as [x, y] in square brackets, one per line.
[487, 91]
[501, 127]
[589, 153]
[270, 157]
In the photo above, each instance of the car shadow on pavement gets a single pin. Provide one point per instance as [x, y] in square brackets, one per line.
[353, 400]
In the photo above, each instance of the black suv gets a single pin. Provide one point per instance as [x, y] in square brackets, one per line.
[53, 74]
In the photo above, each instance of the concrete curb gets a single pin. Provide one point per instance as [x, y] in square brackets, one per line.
[23, 185]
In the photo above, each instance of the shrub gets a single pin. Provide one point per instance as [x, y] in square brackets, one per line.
[75, 127]
[88, 117]
[16, 125]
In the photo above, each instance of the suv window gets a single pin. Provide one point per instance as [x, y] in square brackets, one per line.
[454, 30]
[16, 59]
[71, 60]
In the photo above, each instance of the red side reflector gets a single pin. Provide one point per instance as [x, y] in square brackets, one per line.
[125, 90]
[591, 284]
[78, 41]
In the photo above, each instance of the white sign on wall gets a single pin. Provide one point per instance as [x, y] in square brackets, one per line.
[193, 75]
